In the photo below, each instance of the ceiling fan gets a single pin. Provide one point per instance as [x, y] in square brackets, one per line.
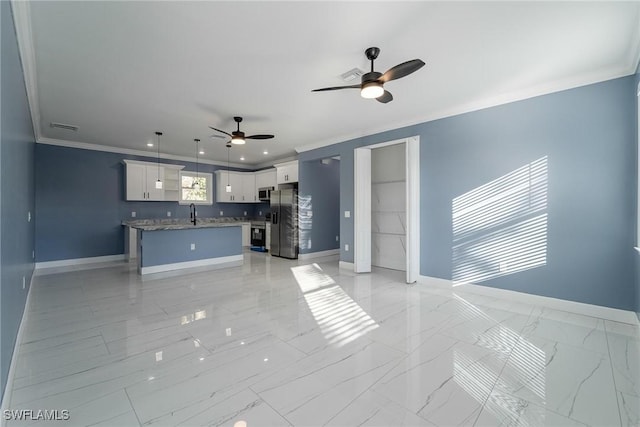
[372, 85]
[238, 137]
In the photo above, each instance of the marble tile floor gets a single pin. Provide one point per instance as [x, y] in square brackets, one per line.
[276, 342]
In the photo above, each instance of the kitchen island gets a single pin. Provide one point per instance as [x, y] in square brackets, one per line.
[174, 245]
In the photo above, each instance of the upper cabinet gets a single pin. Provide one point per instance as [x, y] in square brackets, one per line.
[249, 188]
[287, 173]
[266, 178]
[245, 185]
[141, 179]
[242, 187]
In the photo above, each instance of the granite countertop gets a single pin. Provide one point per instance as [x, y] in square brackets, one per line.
[185, 223]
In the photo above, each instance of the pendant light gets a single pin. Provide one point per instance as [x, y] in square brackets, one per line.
[159, 182]
[196, 183]
[228, 187]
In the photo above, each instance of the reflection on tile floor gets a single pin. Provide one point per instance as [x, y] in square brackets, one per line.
[276, 342]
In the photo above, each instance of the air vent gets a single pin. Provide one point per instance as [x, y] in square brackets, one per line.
[63, 126]
[352, 75]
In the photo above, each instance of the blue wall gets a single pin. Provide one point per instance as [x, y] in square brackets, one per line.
[637, 253]
[16, 192]
[588, 136]
[80, 202]
[319, 191]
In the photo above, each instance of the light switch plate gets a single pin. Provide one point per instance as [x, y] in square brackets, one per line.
[346, 247]
[221, 213]
[347, 214]
[168, 213]
[133, 214]
[193, 246]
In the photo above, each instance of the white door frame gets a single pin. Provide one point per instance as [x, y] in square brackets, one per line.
[362, 206]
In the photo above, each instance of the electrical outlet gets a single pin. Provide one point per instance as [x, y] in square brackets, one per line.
[24, 282]
[259, 213]
[337, 238]
[29, 216]
[33, 254]
[221, 213]
[168, 213]
[245, 213]
[346, 247]
[193, 246]
[347, 214]
[133, 214]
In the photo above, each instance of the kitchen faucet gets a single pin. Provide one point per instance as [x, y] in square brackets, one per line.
[192, 208]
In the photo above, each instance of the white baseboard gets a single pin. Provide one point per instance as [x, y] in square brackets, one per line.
[190, 264]
[319, 254]
[346, 265]
[614, 314]
[79, 261]
[8, 387]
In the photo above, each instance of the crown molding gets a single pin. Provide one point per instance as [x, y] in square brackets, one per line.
[119, 150]
[272, 163]
[494, 101]
[633, 59]
[21, 11]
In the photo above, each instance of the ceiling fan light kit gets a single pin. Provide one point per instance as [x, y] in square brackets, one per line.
[372, 84]
[238, 140]
[371, 90]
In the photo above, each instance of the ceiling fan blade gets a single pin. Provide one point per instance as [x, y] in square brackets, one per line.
[259, 137]
[402, 70]
[226, 133]
[216, 136]
[385, 97]
[336, 88]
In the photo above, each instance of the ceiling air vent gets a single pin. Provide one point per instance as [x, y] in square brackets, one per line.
[352, 75]
[63, 126]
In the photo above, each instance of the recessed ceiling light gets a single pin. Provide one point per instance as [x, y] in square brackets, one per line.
[201, 152]
[265, 152]
[149, 144]
[241, 158]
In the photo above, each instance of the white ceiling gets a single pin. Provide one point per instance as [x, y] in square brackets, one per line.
[122, 70]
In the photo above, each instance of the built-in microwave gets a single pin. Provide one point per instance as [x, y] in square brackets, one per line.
[264, 193]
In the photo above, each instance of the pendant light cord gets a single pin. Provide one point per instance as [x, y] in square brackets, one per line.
[158, 161]
[228, 149]
[197, 152]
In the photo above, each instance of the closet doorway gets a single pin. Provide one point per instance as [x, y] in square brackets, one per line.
[387, 229]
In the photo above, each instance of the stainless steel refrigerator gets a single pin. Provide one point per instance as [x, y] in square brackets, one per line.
[284, 223]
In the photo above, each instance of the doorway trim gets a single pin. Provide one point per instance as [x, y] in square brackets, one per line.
[362, 206]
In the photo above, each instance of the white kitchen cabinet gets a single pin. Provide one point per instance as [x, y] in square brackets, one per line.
[246, 234]
[232, 178]
[266, 178]
[141, 178]
[287, 173]
[248, 188]
[242, 187]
